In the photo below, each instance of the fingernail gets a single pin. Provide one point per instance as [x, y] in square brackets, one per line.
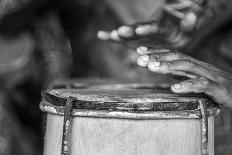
[153, 66]
[143, 60]
[125, 31]
[177, 86]
[103, 35]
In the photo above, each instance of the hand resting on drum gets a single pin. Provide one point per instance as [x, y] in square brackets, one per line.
[203, 77]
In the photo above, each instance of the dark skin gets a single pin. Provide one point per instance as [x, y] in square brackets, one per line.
[151, 34]
[172, 29]
[203, 77]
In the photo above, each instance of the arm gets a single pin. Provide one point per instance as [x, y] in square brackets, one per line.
[203, 77]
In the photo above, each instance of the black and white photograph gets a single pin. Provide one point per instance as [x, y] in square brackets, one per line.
[115, 77]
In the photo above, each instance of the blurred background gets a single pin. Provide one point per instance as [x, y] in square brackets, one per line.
[48, 40]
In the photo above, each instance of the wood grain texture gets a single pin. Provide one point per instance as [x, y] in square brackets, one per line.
[104, 136]
[53, 135]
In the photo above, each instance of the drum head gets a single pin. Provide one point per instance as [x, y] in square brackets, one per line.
[126, 97]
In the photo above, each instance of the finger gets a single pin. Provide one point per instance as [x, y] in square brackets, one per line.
[109, 36]
[188, 23]
[143, 60]
[198, 85]
[174, 67]
[166, 56]
[103, 35]
[217, 92]
[147, 29]
[170, 55]
[126, 31]
[159, 67]
[114, 35]
[161, 54]
[142, 50]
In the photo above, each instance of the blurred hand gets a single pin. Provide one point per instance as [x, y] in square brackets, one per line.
[150, 34]
[203, 77]
[173, 28]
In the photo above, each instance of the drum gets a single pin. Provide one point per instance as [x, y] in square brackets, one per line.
[127, 119]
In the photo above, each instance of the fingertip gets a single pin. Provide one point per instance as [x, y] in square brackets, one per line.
[142, 50]
[162, 50]
[125, 31]
[184, 87]
[146, 30]
[103, 35]
[141, 30]
[143, 60]
[174, 90]
[145, 49]
[188, 22]
[114, 35]
[176, 86]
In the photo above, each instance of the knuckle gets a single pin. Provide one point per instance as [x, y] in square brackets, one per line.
[204, 81]
[188, 65]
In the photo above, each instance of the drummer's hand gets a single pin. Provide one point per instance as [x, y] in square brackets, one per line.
[152, 34]
[203, 77]
[170, 31]
[130, 34]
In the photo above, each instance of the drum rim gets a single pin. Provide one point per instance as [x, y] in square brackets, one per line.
[172, 103]
[53, 103]
[138, 115]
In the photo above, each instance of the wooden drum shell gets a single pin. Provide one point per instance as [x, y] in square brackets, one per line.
[110, 136]
[124, 131]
